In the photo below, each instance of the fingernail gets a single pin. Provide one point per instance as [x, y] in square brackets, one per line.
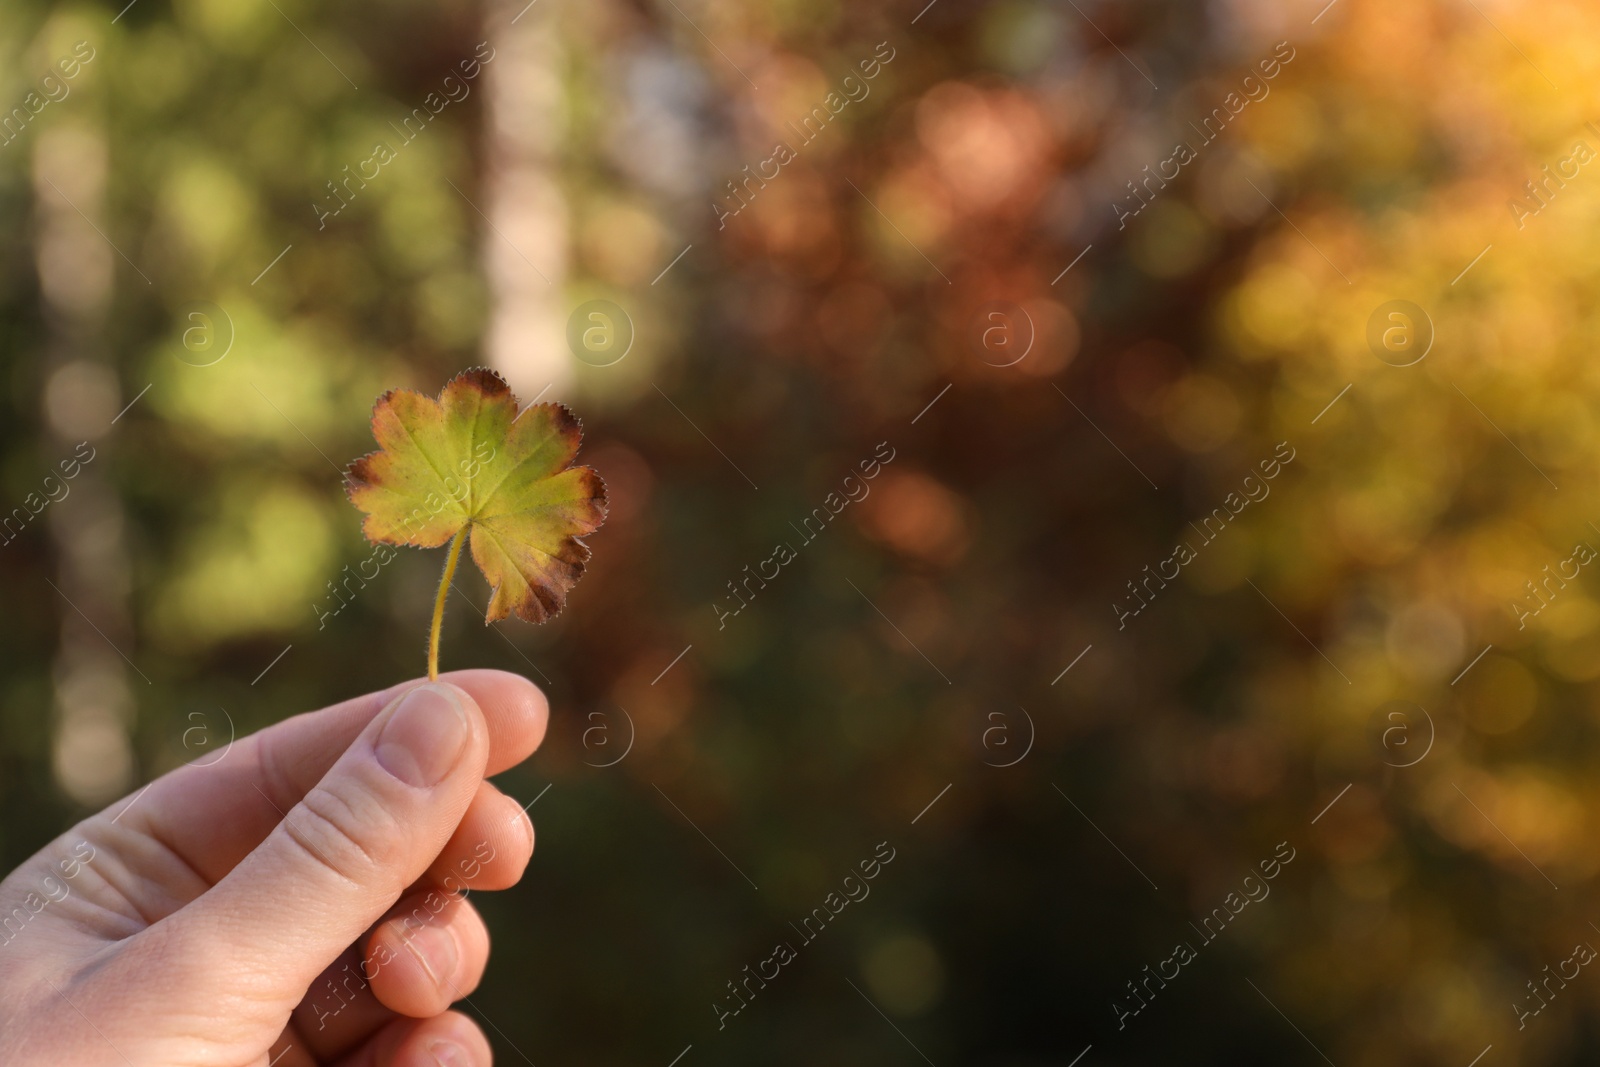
[449, 1054]
[424, 736]
[435, 949]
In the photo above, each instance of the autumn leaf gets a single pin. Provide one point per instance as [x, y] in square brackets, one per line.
[469, 464]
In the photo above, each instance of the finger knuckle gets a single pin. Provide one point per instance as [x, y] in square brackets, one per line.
[351, 834]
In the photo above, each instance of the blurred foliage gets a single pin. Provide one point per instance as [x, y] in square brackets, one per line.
[1176, 353]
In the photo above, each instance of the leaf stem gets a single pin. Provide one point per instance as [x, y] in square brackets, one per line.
[438, 602]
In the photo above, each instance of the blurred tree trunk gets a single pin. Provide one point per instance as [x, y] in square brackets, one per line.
[94, 705]
[525, 248]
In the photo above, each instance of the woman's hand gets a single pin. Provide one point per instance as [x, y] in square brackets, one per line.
[297, 901]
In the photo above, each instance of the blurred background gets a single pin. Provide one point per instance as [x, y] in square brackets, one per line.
[1305, 288]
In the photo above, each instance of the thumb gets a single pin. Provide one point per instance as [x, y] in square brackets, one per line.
[341, 857]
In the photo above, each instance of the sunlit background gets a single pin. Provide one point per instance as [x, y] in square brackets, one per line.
[1336, 346]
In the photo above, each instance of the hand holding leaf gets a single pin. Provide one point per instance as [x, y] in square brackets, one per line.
[469, 461]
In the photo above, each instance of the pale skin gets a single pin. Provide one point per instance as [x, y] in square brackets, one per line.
[294, 902]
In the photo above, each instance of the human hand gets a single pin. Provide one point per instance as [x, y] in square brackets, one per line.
[295, 902]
